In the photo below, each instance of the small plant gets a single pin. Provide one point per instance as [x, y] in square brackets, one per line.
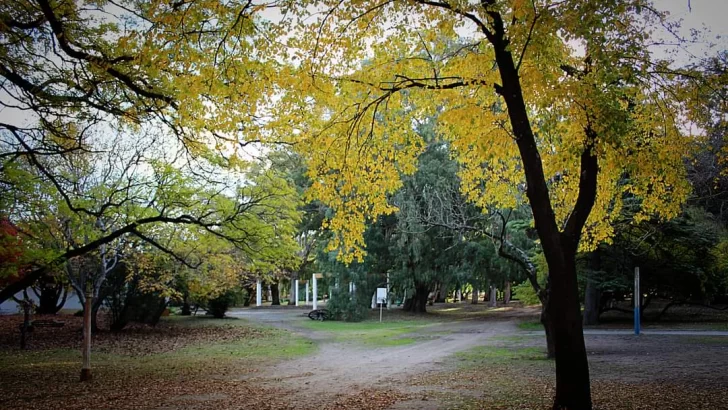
[219, 305]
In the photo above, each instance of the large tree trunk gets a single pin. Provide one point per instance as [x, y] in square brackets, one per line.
[51, 298]
[546, 322]
[476, 295]
[591, 302]
[563, 313]
[418, 302]
[592, 293]
[275, 294]
[492, 302]
[507, 293]
[442, 293]
[86, 349]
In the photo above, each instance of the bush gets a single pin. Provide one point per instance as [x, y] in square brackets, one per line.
[345, 306]
[218, 306]
[524, 292]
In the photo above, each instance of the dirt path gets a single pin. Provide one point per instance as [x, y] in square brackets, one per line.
[345, 368]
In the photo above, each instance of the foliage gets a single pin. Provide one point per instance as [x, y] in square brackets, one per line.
[220, 304]
[525, 293]
[346, 306]
[447, 68]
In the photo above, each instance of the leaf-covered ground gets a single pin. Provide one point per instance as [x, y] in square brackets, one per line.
[457, 357]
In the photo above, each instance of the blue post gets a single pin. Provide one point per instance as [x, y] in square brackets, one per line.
[636, 298]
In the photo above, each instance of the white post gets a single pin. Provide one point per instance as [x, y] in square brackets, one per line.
[306, 293]
[315, 292]
[351, 287]
[296, 296]
[258, 293]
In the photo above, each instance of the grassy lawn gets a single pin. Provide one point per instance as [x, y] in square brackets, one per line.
[530, 326]
[371, 333]
[181, 361]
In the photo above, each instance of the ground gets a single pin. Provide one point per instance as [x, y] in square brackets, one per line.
[457, 356]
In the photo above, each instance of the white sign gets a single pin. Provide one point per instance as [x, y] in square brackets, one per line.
[381, 295]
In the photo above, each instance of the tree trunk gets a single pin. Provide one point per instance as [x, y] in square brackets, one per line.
[492, 301]
[275, 294]
[592, 293]
[591, 302]
[546, 322]
[49, 297]
[27, 306]
[186, 308]
[86, 349]
[251, 291]
[563, 313]
[292, 295]
[476, 295]
[418, 302]
[507, 293]
[94, 315]
[441, 293]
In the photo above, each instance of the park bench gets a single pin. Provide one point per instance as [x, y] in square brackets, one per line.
[319, 314]
[43, 323]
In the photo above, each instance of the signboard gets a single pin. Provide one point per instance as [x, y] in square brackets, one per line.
[381, 295]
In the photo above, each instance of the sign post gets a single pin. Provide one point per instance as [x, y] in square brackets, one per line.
[381, 300]
[636, 300]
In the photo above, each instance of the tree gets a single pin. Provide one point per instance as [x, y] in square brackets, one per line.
[74, 70]
[561, 99]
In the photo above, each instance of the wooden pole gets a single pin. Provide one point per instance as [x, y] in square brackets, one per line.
[86, 350]
[637, 300]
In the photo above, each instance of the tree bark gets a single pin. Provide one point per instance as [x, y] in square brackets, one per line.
[86, 349]
[95, 306]
[275, 294]
[546, 322]
[418, 302]
[573, 390]
[27, 307]
[592, 293]
[476, 295]
[49, 297]
[507, 293]
[292, 294]
[492, 297]
[442, 293]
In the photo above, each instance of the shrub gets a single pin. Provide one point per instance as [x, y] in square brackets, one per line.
[345, 306]
[219, 305]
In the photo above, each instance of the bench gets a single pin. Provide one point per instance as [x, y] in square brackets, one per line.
[319, 314]
[43, 323]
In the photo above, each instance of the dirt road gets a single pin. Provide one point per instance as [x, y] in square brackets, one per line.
[341, 368]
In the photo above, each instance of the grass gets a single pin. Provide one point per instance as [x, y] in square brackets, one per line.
[268, 345]
[530, 326]
[371, 333]
[706, 340]
[496, 354]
